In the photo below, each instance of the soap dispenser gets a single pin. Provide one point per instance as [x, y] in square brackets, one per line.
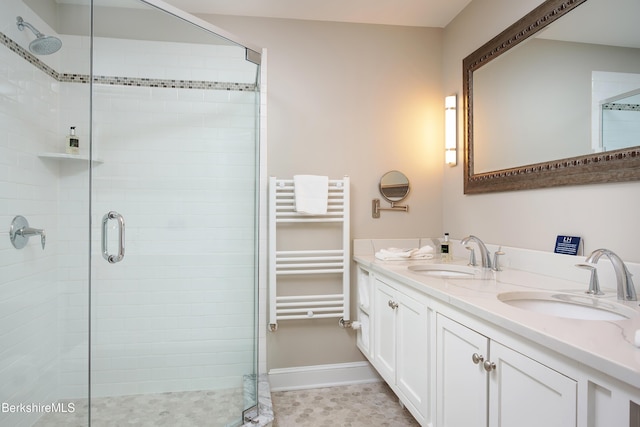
[73, 142]
[445, 254]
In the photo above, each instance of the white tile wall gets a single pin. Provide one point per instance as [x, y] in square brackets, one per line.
[28, 187]
[621, 126]
[179, 312]
[179, 165]
[167, 60]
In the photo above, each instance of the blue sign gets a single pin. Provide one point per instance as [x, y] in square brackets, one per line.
[567, 245]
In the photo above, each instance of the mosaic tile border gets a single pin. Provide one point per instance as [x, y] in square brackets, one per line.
[28, 56]
[168, 83]
[621, 107]
[122, 81]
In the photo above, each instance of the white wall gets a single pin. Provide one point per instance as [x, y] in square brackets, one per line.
[605, 215]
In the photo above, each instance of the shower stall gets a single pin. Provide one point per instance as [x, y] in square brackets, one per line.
[128, 252]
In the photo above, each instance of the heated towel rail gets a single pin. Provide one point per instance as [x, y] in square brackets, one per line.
[297, 304]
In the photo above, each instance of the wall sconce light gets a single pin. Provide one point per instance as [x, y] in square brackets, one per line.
[450, 130]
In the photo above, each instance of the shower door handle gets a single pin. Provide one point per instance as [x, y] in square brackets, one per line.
[105, 252]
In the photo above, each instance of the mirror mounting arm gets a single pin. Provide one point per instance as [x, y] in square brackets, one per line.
[375, 208]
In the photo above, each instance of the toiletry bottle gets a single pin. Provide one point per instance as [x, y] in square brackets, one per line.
[445, 255]
[73, 143]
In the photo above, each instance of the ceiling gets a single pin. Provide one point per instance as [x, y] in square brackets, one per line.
[419, 13]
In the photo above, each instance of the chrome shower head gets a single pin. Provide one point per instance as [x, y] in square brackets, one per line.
[45, 45]
[42, 45]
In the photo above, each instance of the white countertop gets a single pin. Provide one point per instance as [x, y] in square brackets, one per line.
[607, 346]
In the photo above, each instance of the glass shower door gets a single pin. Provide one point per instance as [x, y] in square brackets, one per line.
[155, 323]
[174, 202]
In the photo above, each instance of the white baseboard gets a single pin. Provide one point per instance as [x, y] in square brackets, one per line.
[318, 376]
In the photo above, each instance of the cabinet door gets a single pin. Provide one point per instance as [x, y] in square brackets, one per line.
[525, 393]
[384, 335]
[461, 384]
[413, 354]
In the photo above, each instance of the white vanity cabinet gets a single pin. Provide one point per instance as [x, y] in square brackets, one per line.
[481, 382]
[401, 320]
[431, 336]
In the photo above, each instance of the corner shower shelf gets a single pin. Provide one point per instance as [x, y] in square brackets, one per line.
[64, 156]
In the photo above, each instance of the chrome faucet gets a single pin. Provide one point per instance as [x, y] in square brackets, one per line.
[485, 257]
[626, 289]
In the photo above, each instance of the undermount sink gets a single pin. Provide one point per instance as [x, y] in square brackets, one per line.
[569, 306]
[445, 270]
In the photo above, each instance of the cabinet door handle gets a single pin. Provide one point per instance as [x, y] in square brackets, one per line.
[477, 358]
[393, 304]
[489, 366]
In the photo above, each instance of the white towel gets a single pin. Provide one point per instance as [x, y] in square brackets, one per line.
[311, 194]
[397, 254]
[425, 252]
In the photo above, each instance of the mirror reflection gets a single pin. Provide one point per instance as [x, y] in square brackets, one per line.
[394, 186]
[541, 100]
[620, 121]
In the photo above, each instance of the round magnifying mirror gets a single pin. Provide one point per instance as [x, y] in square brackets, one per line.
[394, 186]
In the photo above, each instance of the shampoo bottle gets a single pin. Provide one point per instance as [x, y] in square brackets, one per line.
[445, 255]
[73, 143]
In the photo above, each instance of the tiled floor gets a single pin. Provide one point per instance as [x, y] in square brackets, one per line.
[205, 408]
[363, 405]
[179, 409]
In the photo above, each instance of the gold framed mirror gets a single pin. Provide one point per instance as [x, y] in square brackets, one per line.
[594, 166]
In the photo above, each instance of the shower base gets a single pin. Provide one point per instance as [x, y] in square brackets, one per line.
[211, 408]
